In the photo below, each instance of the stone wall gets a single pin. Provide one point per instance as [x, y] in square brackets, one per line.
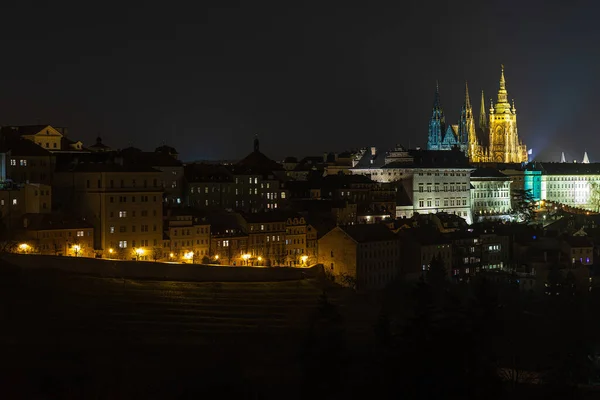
[158, 270]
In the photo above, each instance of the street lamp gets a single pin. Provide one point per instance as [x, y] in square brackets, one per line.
[110, 251]
[138, 253]
[76, 249]
[304, 258]
[189, 255]
[245, 257]
[24, 247]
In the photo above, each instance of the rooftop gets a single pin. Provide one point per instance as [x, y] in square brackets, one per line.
[488, 173]
[42, 222]
[365, 233]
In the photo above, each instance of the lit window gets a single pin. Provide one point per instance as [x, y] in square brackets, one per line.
[112, 229]
[122, 214]
[123, 244]
[14, 202]
[225, 243]
[13, 162]
[80, 233]
[283, 195]
[23, 163]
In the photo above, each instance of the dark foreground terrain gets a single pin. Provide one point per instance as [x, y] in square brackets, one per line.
[69, 336]
[73, 336]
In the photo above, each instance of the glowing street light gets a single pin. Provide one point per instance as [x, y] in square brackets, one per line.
[304, 258]
[110, 251]
[76, 249]
[23, 247]
[245, 257]
[138, 252]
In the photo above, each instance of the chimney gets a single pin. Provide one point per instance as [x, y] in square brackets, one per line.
[373, 151]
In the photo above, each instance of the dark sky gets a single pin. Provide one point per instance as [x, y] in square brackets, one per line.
[308, 78]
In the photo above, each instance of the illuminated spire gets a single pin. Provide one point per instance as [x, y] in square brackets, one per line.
[482, 119]
[436, 98]
[502, 94]
[562, 157]
[586, 160]
[467, 99]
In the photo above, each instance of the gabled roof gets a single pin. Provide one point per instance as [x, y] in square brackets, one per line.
[256, 163]
[25, 129]
[19, 146]
[366, 233]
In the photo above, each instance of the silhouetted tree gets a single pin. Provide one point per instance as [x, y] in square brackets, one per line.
[523, 205]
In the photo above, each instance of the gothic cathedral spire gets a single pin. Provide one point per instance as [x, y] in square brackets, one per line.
[482, 118]
[437, 123]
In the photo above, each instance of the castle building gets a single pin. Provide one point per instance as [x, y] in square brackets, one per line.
[500, 129]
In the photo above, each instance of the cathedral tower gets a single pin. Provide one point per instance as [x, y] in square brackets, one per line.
[437, 123]
[505, 146]
[467, 135]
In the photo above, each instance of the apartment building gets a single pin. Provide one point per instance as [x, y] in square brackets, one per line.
[187, 238]
[123, 203]
[57, 235]
[364, 256]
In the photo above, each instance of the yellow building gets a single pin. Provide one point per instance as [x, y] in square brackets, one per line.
[124, 204]
[266, 238]
[311, 244]
[364, 256]
[57, 235]
[188, 239]
[295, 241]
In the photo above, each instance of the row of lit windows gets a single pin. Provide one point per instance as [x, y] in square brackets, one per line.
[123, 228]
[123, 199]
[123, 214]
[485, 195]
[447, 187]
[112, 183]
[446, 202]
[46, 235]
[186, 231]
[123, 243]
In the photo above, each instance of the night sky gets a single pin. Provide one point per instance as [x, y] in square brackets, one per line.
[307, 79]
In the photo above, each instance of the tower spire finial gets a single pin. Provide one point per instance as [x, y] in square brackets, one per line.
[436, 99]
[502, 94]
[482, 119]
[467, 98]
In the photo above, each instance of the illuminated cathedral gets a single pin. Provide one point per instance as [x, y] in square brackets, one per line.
[499, 130]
